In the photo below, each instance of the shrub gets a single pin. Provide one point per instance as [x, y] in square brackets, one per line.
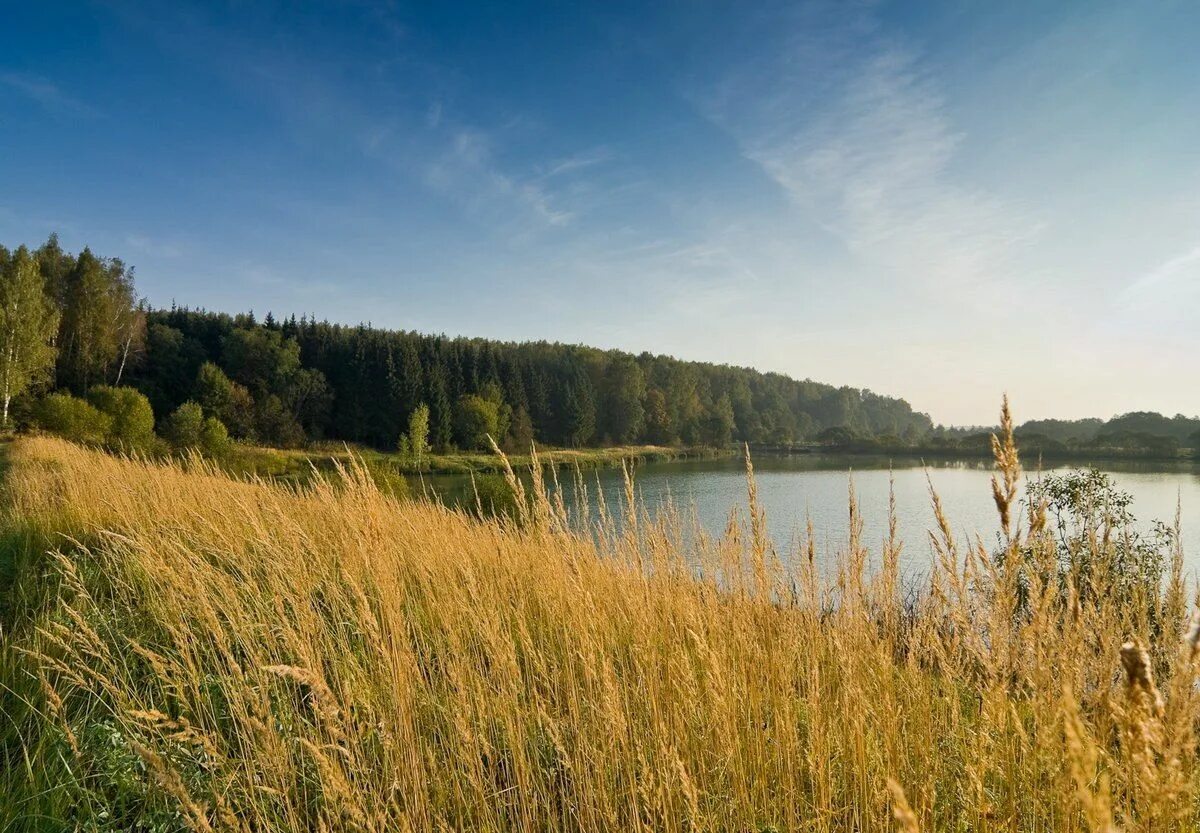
[188, 429]
[214, 438]
[72, 418]
[1097, 537]
[480, 416]
[493, 497]
[387, 479]
[132, 416]
[276, 424]
[225, 399]
[183, 427]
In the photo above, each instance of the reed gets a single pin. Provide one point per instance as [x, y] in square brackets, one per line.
[188, 651]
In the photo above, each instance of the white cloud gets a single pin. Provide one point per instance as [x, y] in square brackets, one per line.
[46, 93]
[577, 162]
[869, 160]
[466, 172]
[1167, 277]
[155, 248]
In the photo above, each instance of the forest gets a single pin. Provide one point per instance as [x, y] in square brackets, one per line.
[77, 337]
[83, 355]
[1138, 434]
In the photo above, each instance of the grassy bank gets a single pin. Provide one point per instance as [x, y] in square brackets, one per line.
[298, 465]
[193, 652]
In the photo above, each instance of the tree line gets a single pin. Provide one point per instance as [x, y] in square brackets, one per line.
[74, 323]
[1135, 434]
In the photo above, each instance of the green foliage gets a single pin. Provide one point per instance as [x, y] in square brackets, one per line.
[1060, 430]
[623, 415]
[292, 401]
[837, 436]
[1138, 442]
[28, 325]
[261, 359]
[99, 317]
[388, 479]
[1096, 532]
[187, 428]
[275, 424]
[167, 373]
[658, 418]
[719, 425]
[683, 390]
[418, 431]
[214, 437]
[287, 382]
[478, 418]
[182, 428]
[131, 414]
[73, 419]
[579, 411]
[225, 399]
[521, 433]
[493, 497]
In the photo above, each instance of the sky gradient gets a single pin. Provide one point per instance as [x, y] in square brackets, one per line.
[936, 201]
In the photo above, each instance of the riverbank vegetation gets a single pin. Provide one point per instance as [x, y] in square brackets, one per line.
[78, 323]
[1138, 435]
[299, 466]
[185, 651]
[80, 354]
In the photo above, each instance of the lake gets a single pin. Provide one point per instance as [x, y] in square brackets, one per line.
[794, 488]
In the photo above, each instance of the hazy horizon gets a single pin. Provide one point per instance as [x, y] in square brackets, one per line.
[936, 203]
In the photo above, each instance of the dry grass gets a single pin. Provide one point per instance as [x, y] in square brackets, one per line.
[208, 654]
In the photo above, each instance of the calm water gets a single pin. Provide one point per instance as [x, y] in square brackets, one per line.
[792, 489]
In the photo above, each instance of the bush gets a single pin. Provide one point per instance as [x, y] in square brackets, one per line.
[493, 497]
[72, 419]
[188, 429]
[1098, 541]
[277, 425]
[214, 438]
[183, 427]
[132, 416]
[388, 479]
[225, 399]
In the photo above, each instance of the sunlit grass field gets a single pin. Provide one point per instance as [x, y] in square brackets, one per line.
[183, 650]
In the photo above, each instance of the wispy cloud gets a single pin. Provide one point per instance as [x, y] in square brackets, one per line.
[869, 159]
[268, 277]
[577, 162]
[151, 246]
[47, 94]
[395, 110]
[1165, 279]
[465, 171]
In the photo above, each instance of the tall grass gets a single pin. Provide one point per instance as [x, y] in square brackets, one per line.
[190, 652]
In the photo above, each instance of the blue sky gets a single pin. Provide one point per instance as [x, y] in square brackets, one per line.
[941, 201]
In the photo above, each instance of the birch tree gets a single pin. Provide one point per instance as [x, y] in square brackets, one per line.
[418, 432]
[100, 323]
[28, 324]
[131, 335]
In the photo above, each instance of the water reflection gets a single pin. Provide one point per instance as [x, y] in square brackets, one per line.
[795, 489]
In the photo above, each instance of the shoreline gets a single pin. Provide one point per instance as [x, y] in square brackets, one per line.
[297, 464]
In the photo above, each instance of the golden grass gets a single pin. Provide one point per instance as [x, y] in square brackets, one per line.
[220, 655]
